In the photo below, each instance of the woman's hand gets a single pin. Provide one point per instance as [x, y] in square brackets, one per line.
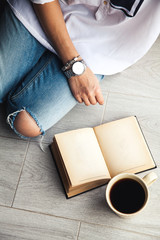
[85, 88]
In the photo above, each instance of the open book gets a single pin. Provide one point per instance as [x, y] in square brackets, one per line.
[87, 158]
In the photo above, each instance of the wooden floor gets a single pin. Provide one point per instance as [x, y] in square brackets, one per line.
[32, 201]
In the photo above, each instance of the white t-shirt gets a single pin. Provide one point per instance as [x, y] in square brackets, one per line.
[107, 39]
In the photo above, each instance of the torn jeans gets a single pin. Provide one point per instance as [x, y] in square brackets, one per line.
[31, 78]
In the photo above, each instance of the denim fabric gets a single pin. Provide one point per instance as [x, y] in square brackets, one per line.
[31, 78]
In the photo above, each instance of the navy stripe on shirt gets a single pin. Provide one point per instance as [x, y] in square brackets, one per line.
[129, 7]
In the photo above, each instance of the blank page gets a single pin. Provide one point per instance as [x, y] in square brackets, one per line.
[123, 146]
[82, 156]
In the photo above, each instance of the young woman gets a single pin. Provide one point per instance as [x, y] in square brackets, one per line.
[54, 53]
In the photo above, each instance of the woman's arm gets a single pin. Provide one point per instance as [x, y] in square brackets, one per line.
[85, 87]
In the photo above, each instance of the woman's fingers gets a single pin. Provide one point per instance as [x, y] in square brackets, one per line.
[86, 100]
[99, 97]
[79, 99]
[92, 100]
[85, 88]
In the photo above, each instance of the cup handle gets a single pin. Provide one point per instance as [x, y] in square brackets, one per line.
[150, 178]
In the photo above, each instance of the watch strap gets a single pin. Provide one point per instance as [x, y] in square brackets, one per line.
[69, 73]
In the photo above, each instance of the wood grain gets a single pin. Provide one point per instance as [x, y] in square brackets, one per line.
[21, 225]
[12, 153]
[97, 232]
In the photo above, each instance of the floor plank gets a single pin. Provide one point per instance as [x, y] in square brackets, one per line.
[97, 232]
[21, 225]
[12, 153]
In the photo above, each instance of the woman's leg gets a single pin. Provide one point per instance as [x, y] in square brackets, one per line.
[42, 99]
[19, 51]
[39, 94]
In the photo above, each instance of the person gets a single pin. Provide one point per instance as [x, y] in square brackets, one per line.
[54, 54]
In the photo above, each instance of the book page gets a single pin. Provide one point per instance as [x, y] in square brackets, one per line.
[123, 146]
[82, 156]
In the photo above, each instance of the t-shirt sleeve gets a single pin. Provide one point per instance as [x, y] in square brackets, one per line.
[41, 1]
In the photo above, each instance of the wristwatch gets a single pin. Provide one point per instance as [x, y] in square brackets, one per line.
[76, 69]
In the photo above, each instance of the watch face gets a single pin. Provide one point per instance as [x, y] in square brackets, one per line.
[78, 68]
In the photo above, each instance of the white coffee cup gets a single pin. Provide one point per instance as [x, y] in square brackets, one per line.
[127, 194]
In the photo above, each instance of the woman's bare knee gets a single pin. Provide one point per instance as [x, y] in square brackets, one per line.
[26, 125]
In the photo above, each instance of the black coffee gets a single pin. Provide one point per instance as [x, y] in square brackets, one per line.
[127, 196]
